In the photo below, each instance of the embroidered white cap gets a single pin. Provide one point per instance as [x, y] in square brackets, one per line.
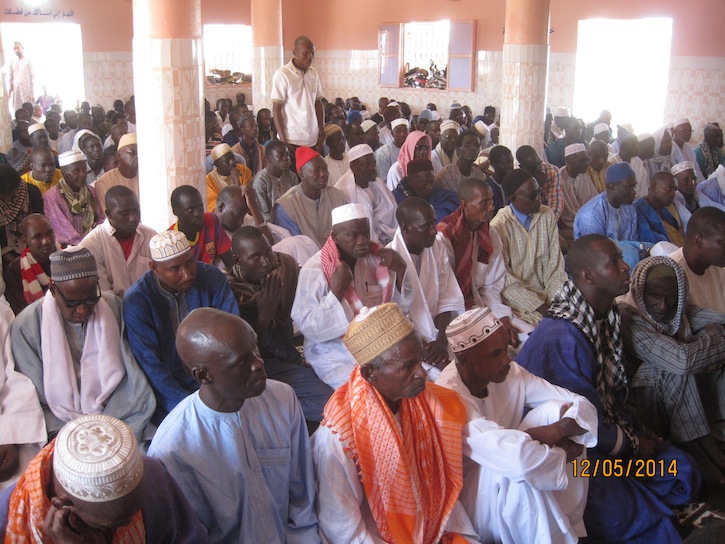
[96, 458]
[471, 328]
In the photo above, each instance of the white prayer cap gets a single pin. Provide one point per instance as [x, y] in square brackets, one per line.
[35, 128]
[96, 459]
[562, 111]
[601, 127]
[359, 151]
[393, 103]
[681, 167]
[397, 122]
[365, 114]
[367, 125]
[682, 121]
[449, 124]
[455, 106]
[574, 148]
[69, 157]
[481, 128]
[127, 139]
[220, 150]
[78, 136]
[348, 212]
[471, 328]
[167, 245]
[644, 136]
[436, 116]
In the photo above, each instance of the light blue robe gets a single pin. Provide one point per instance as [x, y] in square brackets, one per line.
[248, 475]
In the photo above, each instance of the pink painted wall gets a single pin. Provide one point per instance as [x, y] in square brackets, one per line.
[331, 24]
[108, 25]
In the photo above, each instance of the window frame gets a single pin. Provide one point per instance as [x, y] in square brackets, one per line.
[390, 70]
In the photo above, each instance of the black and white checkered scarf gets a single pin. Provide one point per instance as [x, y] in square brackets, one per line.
[570, 304]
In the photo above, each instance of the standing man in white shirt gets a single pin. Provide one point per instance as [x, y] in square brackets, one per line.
[296, 94]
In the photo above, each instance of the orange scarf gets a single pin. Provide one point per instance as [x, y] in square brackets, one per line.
[411, 479]
[29, 505]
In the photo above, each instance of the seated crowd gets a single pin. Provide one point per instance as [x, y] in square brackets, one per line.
[373, 327]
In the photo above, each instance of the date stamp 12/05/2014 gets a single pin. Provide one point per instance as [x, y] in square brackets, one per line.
[624, 468]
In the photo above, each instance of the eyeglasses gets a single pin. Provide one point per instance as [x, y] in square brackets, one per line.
[90, 302]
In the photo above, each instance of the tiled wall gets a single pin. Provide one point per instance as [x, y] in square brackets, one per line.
[108, 76]
[696, 88]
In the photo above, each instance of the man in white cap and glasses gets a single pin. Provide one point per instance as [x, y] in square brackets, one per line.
[126, 173]
[576, 186]
[388, 153]
[70, 343]
[349, 272]
[72, 207]
[92, 485]
[682, 151]
[155, 305]
[226, 172]
[238, 447]
[361, 185]
[388, 456]
[512, 463]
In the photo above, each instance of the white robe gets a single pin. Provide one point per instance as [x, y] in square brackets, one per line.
[702, 199]
[336, 168]
[115, 272]
[379, 202]
[21, 417]
[342, 507]
[323, 319]
[395, 174]
[435, 287]
[642, 174]
[516, 489]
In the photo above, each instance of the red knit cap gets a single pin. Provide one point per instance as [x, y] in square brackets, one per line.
[303, 155]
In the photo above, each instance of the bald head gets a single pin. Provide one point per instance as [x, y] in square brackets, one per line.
[220, 351]
[206, 333]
